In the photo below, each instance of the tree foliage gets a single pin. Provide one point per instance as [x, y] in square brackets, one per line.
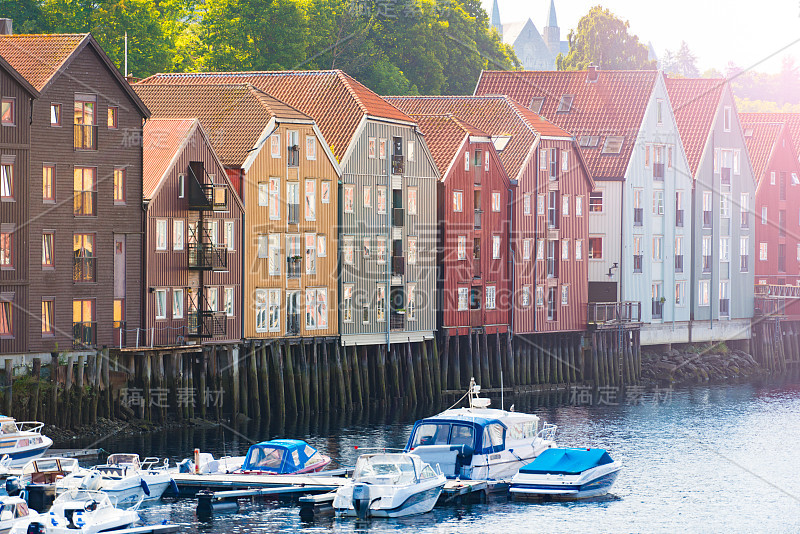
[767, 90]
[682, 63]
[602, 39]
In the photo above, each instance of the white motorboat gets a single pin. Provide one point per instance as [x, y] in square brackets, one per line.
[208, 465]
[122, 477]
[566, 474]
[13, 511]
[79, 511]
[22, 441]
[389, 485]
[480, 443]
[38, 480]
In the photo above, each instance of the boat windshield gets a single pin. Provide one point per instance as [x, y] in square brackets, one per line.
[385, 469]
[8, 427]
[82, 495]
[443, 434]
[123, 459]
[266, 458]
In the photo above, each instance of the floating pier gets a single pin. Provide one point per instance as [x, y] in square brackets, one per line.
[190, 484]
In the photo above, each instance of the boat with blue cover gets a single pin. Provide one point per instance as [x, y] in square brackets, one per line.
[566, 474]
[283, 457]
[480, 443]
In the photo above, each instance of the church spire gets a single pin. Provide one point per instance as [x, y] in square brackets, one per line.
[495, 18]
[551, 15]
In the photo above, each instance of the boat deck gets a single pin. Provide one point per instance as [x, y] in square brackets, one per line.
[189, 484]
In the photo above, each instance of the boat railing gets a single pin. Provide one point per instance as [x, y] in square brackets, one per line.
[30, 426]
[548, 432]
[152, 462]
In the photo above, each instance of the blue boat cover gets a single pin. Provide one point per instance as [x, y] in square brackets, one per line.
[281, 456]
[557, 461]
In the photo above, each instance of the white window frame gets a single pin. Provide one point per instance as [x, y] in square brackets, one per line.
[162, 239]
[491, 297]
[177, 303]
[704, 297]
[161, 304]
[178, 234]
[310, 200]
[228, 296]
[348, 198]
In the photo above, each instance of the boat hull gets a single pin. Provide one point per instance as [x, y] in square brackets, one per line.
[420, 502]
[22, 455]
[595, 482]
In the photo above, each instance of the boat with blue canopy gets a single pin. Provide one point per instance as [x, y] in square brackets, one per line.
[567, 474]
[283, 457]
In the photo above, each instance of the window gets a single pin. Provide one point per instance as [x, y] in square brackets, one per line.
[9, 112]
[579, 206]
[263, 194]
[727, 117]
[412, 201]
[658, 202]
[311, 199]
[293, 202]
[274, 254]
[762, 251]
[161, 234]
[782, 186]
[466, 161]
[85, 122]
[119, 185]
[679, 208]
[539, 296]
[637, 254]
[638, 210]
[311, 147]
[212, 296]
[274, 317]
[526, 204]
[274, 199]
[367, 196]
[84, 187]
[382, 148]
[495, 247]
[7, 181]
[565, 104]
[704, 296]
[646, 155]
[48, 317]
[380, 302]
[595, 248]
[6, 250]
[311, 253]
[181, 180]
[540, 202]
[565, 206]
[275, 147]
[706, 250]
[552, 209]
[495, 201]
[293, 148]
[659, 111]
[228, 235]
[321, 307]
[551, 303]
[261, 300]
[348, 250]
[564, 160]
[737, 161]
[552, 264]
[724, 249]
[48, 250]
[461, 248]
[490, 297]
[613, 144]
[596, 202]
[526, 296]
[55, 114]
[177, 303]
[411, 302]
[412, 250]
[744, 253]
[526, 249]
[680, 293]
[463, 298]
[536, 104]
[6, 318]
[543, 159]
[311, 310]
[724, 206]
[658, 247]
[678, 254]
[669, 157]
[763, 215]
[772, 176]
[372, 147]
[112, 117]
[380, 245]
[48, 183]
[348, 198]
[658, 163]
[458, 201]
[564, 295]
[553, 160]
[381, 199]
[294, 259]
[161, 304]
[744, 209]
[540, 249]
[347, 304]
[325, 192]
[579, 249]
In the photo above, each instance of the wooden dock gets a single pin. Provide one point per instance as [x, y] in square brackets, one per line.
[78, 454]
[191, 484]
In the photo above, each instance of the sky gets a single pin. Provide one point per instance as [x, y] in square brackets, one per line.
[717, 31]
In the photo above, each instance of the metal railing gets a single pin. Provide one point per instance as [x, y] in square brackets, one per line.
[398, 217]
[205, 195]
[548, 432]
[397, 320]
[658, 171]
[293, 266]
[614, 312]
[293, 213]
[85, 136]
[724, 307]
[637, 263]
[84, 334]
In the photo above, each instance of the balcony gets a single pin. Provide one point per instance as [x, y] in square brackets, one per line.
[658, 171]
[398, 217]
[781, 264]
[398, 266]
[707, 219]
[638, 216]
[478, 220]
[769, 306]
[207, 257]
[476, 318]
[612, 313]
[206, 324]
[637, 263]
[119, 337]
[725, 176]
[397, 320]
[204, 195]
[85, 136]
[706, 264]
[476, 268]
[552, 268]
[293, 156]
[724, 307]
[84, 335]
[658, 309]
[292, 324]
[679, 263]
[679, 218]
[478, 174]
[398, 164]
[294, 265]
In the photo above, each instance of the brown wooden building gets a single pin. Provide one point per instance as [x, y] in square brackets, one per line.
[83, 190]
[289, 188]
[193, 221]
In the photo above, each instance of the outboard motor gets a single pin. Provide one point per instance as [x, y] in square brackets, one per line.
[36, 528]
[361, 500]
[13, 486]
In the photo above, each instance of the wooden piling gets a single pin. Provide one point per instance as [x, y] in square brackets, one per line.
[263, 379]
[427, 372]
[472, 361]
[325, 379]
[411, 389]
[341, 398]
[314, 378]
[445, 360]
[456, 374]
[355, 374]
[36, 374]
[380, 374]
[363, 367]
[277, 382]
[486, 379]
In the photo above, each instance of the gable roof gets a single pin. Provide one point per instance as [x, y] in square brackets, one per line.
[695, 102]
[495, 115]
[234, 115]
[791, 120]
[336, 101]
[613, 105]
[761, 144]
[40, 58]
[25, 84]
[445, 135]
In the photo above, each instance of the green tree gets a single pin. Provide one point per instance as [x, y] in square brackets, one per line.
[602, 39]
[27, 15]
[682, 63]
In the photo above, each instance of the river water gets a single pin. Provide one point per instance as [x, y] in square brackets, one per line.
[707, 459]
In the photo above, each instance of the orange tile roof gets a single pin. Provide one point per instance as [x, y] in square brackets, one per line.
[792, 121]
[39, 57]
[614, 104]
[162, 140]
[444, 135]
[336, 101]
[760, 143]
[695, 102]
[496, 115]
[234, 115]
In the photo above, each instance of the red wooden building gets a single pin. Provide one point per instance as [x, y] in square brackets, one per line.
[193, 243]
[474, 222]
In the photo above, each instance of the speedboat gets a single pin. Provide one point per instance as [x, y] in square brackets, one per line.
[22, 441]
[79, 511]
[480, 443]
[13, 511]
[566, 474]
[206, 464]
[283, 457]
[389, 485]
[38, 479]
[122, 477]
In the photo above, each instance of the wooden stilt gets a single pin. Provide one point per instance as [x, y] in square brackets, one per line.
[472, 361]
[456, 374]
[263, 378]
[278, 386]
[445, 360]
[365, 385]
[356, 377]
[486, 380]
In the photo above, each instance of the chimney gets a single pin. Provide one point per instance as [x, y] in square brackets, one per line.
[5, 27]
[591, 73]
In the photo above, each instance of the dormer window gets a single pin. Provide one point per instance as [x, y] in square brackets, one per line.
[500, 142]
[536, 104]
[565, 104]
[589, 141]
[748, 132]
[613, 144]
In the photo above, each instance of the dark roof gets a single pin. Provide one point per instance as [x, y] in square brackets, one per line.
[613, 105]
[336, 101]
